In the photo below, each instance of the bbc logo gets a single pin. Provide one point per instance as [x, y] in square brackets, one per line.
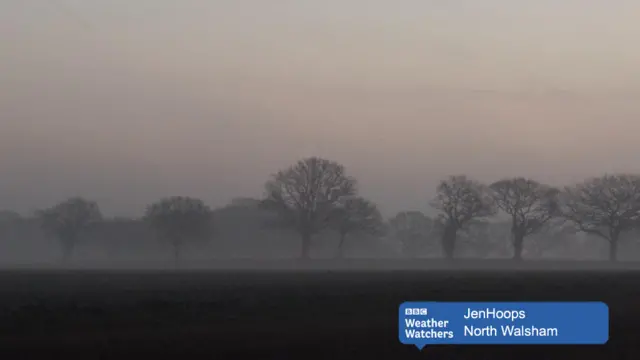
[415, 311]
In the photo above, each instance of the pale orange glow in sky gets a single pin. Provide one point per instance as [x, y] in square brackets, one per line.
[127, 101]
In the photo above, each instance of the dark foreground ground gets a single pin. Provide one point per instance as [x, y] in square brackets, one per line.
[283, 315]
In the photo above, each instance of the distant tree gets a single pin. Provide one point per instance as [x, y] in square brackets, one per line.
[356, 215]
[179, 220]
[413, 229]
[305, 195]
[482, 239]
[605, 206]
[67, 220]
[559, 240]
[8, 216]
[529, 204]
[460, 200]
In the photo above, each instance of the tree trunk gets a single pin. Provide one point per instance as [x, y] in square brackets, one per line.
[306, 245]
[613, 248]
[449, 241]
[518, 245]
[341, 244]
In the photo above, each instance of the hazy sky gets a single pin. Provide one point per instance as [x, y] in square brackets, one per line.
[125, 101]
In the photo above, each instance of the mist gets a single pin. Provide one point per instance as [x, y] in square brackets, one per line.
[127, 103]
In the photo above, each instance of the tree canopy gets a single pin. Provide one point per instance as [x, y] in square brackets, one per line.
[605, 206]
[67, 219]
[306, 194]
[180, 219]
[529, 204]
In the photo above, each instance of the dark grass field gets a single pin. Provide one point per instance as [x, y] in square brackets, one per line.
[272, 313]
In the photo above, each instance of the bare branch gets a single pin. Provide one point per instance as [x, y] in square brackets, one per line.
[460, 200]
[70, 216]
[180, 218]
[605, 206]
[413, 230]
[530, 204]
[357, 215]
[68, 219]
[306, 193]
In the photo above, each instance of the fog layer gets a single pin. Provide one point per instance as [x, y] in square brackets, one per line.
[125, 102]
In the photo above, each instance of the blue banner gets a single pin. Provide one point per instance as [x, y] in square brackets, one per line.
[508, 323]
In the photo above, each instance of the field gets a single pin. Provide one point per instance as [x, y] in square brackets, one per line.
[318, 311]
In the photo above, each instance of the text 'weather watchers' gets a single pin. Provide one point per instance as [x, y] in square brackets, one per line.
[433, 323]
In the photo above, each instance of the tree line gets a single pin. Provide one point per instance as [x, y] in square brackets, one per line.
[317, 195]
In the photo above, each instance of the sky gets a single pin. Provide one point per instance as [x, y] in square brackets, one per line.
[125, 102]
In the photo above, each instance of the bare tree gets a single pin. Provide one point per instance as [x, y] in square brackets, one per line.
[460, 200]
[414, 231]
[67, 220]
[529, 204]
[305, 194]
[180, 219]
[605, 206]
[557, 241]
[356, 215]
[482, 239]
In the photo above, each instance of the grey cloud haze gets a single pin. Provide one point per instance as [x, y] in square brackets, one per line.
[127, 101]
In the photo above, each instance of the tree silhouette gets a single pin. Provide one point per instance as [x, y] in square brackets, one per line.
[605, 206]
[305, 194]
[482, 238]
[413, 229]
[460, 200]
[9, 216]
[354, 215]
[529, 204]
[180, 219]
[67, 220]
